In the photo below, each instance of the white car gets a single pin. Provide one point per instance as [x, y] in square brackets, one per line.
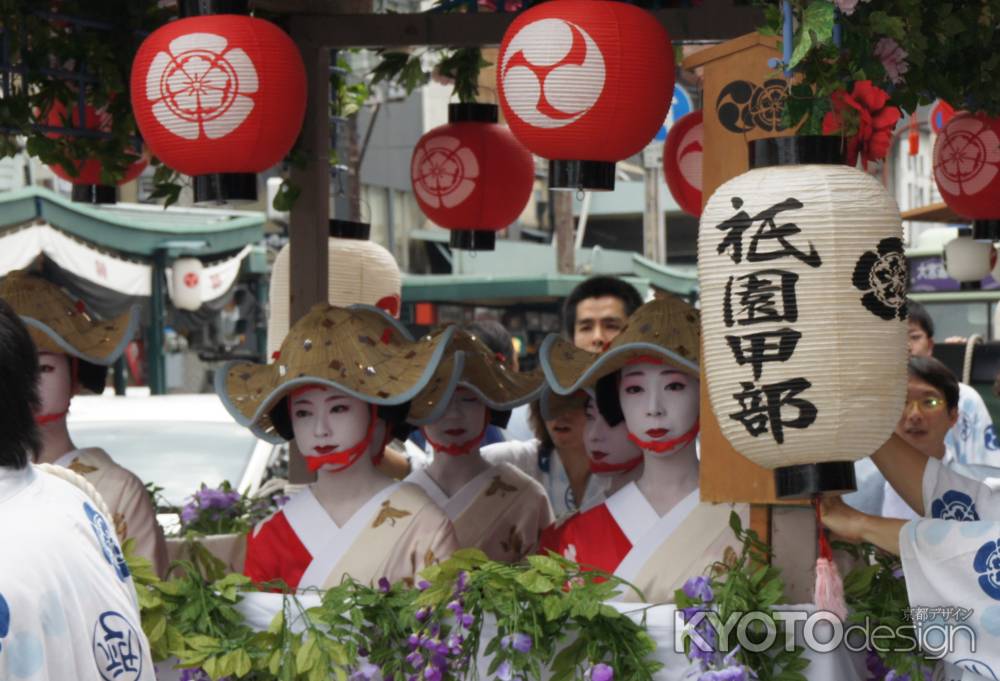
[176, 442]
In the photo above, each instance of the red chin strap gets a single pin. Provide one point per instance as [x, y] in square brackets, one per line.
[662, 447]
[42, 419]
[462, 447]
[346, 458]
[607, 468]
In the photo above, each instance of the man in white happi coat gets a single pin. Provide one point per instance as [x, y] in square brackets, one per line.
[68, 608]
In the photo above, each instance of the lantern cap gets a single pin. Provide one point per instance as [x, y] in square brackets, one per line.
[598, 176]
[986, 230]
[473, 240]
[94, 193]
[491, 380]
[359, 350]
[797, 150]
[473, 112]
[804, 481]
[666, 328]
[348, 229]
[225, 187]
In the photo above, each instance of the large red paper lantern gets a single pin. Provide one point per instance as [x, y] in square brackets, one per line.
[471, 176]
[683, 151]
[585, 83]
[222, 93]
[88, 171]
[967, 170]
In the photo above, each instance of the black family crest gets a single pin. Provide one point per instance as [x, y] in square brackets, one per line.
[883, 277]
[743, 106]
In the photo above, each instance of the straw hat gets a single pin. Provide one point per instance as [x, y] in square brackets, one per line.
[58, 323]
[552, 405]
[482, 372]
[667, 328]
[359, 350]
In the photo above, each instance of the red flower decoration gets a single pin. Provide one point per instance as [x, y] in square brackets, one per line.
[864, 115]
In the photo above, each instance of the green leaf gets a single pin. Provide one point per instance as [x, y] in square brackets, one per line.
[535, 582]
[816, 29]
[307, 655]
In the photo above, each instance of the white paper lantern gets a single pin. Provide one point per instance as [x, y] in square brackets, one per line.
[803, 285]
[359, 271]
[185, 288]
[969, 260]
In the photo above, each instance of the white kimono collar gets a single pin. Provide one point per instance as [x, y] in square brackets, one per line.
[14, 480]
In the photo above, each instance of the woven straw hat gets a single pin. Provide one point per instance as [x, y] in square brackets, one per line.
[481, 372]
[359, 350]
[58, 323]
[552, 405]
[667, 328]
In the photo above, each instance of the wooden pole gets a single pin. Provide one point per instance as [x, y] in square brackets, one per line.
[308, 228]
[562, 210]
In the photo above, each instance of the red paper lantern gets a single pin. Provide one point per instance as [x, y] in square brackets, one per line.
[219, 94]
[682, 157]
[967, 170]
[471, 175]
[585, 83]
[88, 171]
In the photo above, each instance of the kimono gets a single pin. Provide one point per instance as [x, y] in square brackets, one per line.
[546, 467]
[973, 437]
[500, 511]
[68, 607]
[395, 534]
[133, 515]
[957, 492]
[625, 536]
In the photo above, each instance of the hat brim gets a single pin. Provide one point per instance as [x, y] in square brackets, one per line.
[102, 343]
[250, 391]
[552, 405]
[567, 368]
[506, 390]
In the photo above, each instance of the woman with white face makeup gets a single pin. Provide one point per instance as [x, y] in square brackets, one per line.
[495, 508]
[653, 532]
[342, 382]
[74, 352]
[612, 454]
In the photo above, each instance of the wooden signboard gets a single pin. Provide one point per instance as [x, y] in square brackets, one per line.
[742, 100]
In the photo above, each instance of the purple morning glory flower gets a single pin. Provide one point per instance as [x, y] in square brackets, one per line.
[188, 514]
[521, 643]
[415, 659]
[462, 582]
[422, 614]
[734, 673]
[466, 619]
[432, 673]
[383, 585]
[602, 672]
[699, 587]
[196, 674]
[504, 671]
[366, 672]
[893, 676]
[423, 585]
[456, 607]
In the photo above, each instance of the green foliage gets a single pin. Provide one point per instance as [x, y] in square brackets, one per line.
[406, 69]
[952, 52]
[192, 616]
[748, 583]
[876, 595]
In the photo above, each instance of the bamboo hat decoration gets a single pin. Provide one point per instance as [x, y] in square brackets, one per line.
[667, 328]
[58, 323]
[359, 350]
[482, 372]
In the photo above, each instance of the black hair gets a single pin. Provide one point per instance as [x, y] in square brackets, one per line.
[494, 336]
[537, 425]
[936, 374]
[19, 437]
[599, 287]
[393, 415]
[607, 399]
[918, 315]
[93, 377]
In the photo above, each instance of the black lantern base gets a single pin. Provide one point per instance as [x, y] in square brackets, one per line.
[94, 193]
[970, 286]
[200, 8]
[473, 112]
[800, 150]
[595, 176]
[225, 187]
[473, 240]
[347, 229]
[807, 480]
[986, 230]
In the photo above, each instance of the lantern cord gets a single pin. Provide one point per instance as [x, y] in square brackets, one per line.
[829, 592]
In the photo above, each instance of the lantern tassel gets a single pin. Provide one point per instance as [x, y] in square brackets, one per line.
[829, 591]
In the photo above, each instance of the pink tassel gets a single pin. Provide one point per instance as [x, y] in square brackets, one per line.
[829, 592]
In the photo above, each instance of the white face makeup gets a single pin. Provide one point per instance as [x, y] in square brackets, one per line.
[605, 444]
[55, 383]
[659, 402]
[326, 421]
[461, 422]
